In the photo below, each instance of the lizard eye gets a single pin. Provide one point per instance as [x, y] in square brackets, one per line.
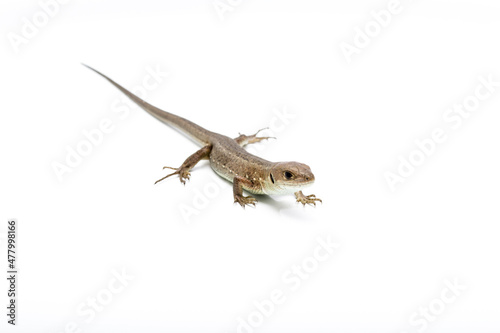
[288, 175]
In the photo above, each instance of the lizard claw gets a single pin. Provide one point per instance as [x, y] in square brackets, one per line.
[184, 174]
[242, 200]
[254, 138]
[307, 199]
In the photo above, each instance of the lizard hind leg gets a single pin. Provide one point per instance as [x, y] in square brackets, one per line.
[244, 140]
[184, 170]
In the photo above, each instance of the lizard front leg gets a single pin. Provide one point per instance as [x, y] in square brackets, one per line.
[244, 140]
[306, 199]
[189, 163]
[238, 182]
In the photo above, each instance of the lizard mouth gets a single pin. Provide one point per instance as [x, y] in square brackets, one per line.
[306, 183]
[290, 188]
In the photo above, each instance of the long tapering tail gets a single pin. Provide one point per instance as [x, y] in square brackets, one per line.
[194, 131]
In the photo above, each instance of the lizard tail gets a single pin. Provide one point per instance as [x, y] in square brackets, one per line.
[197, 133]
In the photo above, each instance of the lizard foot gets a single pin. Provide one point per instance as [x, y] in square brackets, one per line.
[242, 200]
[184, 174]
[253, 138]
[248, 139]
[307, 199]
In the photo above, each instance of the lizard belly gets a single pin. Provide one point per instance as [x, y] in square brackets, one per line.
[221, 170]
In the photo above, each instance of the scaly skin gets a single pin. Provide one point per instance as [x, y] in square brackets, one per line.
[230, 161]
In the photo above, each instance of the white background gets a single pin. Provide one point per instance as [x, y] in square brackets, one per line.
[201, 272]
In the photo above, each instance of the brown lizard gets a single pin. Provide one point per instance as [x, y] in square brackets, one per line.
[230, 161]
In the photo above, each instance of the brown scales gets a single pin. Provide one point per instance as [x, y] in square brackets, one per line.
[230, 161]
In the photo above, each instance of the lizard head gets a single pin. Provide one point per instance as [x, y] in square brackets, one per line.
[289, 177]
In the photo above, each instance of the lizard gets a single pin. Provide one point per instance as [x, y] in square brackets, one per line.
[231, 161]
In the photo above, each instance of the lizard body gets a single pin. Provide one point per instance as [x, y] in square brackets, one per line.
[230, 161]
